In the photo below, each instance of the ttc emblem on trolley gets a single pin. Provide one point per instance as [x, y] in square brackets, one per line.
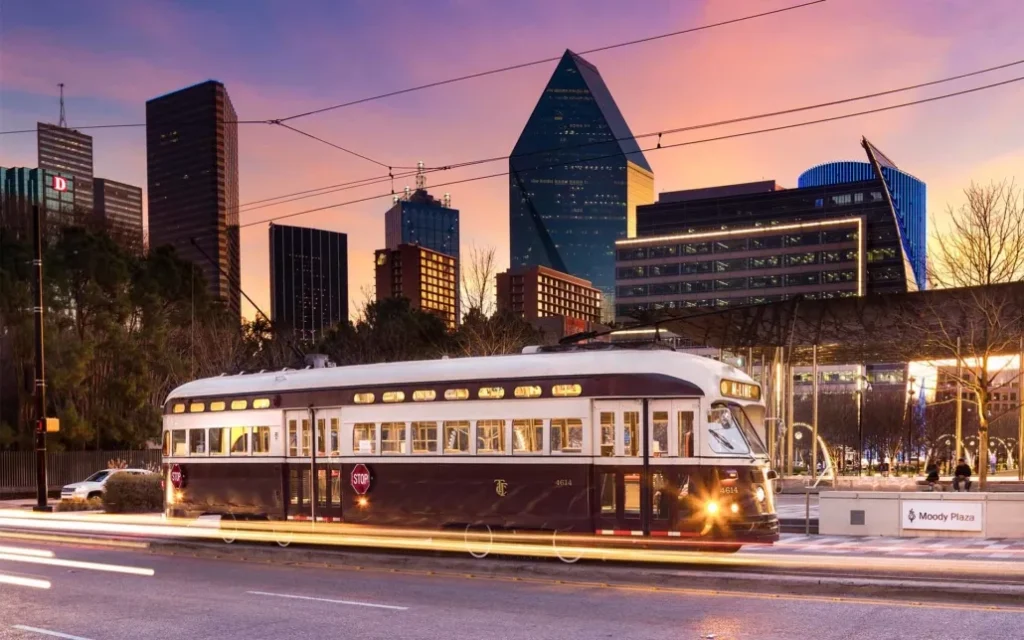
[500, 487]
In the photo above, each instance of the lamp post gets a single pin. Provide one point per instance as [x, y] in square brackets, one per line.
[860, 421]
[910, 425]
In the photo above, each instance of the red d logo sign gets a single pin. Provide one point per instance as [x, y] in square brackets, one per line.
[59, 184]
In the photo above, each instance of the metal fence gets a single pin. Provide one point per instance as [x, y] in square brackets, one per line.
[18, 468]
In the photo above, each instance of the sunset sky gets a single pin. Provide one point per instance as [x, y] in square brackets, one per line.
[282, 58]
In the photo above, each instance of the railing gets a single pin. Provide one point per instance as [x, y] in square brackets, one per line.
[18, 468]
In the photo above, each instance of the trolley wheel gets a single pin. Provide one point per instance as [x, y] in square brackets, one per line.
[283, 536]
[479, 549]
[721, 548]
[567, 558]
[228, 533]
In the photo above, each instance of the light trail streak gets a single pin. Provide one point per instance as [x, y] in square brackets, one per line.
[523, 545]
[77, 564]
[47, 632]
[38, 553]
[19, 581]
[99, 542]
[353, 603]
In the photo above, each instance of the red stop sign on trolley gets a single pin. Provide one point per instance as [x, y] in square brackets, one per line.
[177, 476]
[360, 479]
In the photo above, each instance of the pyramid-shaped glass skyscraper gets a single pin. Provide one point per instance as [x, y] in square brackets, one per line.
[576, 176]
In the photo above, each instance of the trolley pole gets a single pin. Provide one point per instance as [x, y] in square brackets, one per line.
[40, 385]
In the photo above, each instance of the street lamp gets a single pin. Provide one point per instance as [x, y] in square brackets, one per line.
[860, 420]
[910, 424]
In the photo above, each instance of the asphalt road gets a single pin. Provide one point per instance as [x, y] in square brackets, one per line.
[220, 599]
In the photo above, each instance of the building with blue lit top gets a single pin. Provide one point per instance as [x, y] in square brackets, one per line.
[419, 218]
[908, 197]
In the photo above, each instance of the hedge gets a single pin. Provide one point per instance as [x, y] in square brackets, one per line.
[129, 493]
[75, 504]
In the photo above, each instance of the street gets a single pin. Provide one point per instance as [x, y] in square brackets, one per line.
[200, 598]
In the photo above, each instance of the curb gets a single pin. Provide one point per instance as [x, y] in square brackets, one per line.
[617, 575]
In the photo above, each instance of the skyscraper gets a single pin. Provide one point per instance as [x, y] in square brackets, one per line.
[906, 194]
[67, 153]
[192, 162]
[419, 218]
[119, 206]
[21, 188]
[308, 280]
[576, 176]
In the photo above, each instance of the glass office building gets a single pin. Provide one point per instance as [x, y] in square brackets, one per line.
[308, 280]
[22, 188]
[576, 177]
[192, 174]
[908, 195]
[68, 153]
[422, 219]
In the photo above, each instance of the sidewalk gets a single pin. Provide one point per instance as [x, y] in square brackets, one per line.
[916, 547]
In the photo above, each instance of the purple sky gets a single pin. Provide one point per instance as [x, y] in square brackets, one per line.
[280, 58]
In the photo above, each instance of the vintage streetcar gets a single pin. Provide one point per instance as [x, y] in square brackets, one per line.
[650, 444]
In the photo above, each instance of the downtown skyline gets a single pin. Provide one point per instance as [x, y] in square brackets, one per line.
[658, 85]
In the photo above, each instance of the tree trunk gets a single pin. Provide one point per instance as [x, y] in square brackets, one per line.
[982, 453]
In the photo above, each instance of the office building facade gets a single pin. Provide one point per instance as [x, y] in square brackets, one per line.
[576, 177]
[119, 207]
[192, 163]
[684, 272]
[67, 153]
[308, 280]
[540, 292]
[908, 194]
[428, 279]
[22, 188]
[419, 218]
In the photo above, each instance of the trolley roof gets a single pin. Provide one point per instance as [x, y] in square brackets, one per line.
[702, 372]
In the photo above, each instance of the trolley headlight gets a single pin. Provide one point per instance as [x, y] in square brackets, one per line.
[711, 508]
[735, 508]
[760, 494]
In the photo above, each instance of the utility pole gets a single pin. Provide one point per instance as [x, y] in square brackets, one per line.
[40, 386]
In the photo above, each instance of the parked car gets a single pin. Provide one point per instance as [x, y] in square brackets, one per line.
[95, 485]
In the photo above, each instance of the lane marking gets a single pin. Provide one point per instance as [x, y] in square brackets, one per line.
[47, 632]
[18, 581]
[20, 551]
[75, 564]
[348, 602]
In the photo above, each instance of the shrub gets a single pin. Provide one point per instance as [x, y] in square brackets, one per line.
[129, 493]
[92, 504]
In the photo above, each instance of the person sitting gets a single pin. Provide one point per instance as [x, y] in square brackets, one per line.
[962, 475]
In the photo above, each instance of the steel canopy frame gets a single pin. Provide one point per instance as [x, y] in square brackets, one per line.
[900, 327]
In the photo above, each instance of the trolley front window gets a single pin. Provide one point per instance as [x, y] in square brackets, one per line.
[732, 432]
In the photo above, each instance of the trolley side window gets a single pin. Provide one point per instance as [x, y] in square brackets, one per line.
[424, 437]
[197, 442]
[167, 443]
[364, 438]
[659, 434]
[179, 442]
[239, 441]
[631, 433]
[567, 435]
[261, 440]
[456, 436]
[392, 437]
[528, 435]
[219, 439]
[685, 421]
[490, 437]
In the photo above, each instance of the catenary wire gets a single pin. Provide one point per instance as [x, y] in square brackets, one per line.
[524, 65]
[673, 145]
[309, 193]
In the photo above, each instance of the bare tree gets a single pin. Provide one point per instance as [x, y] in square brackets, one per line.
[983, 247]
[478, 272]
